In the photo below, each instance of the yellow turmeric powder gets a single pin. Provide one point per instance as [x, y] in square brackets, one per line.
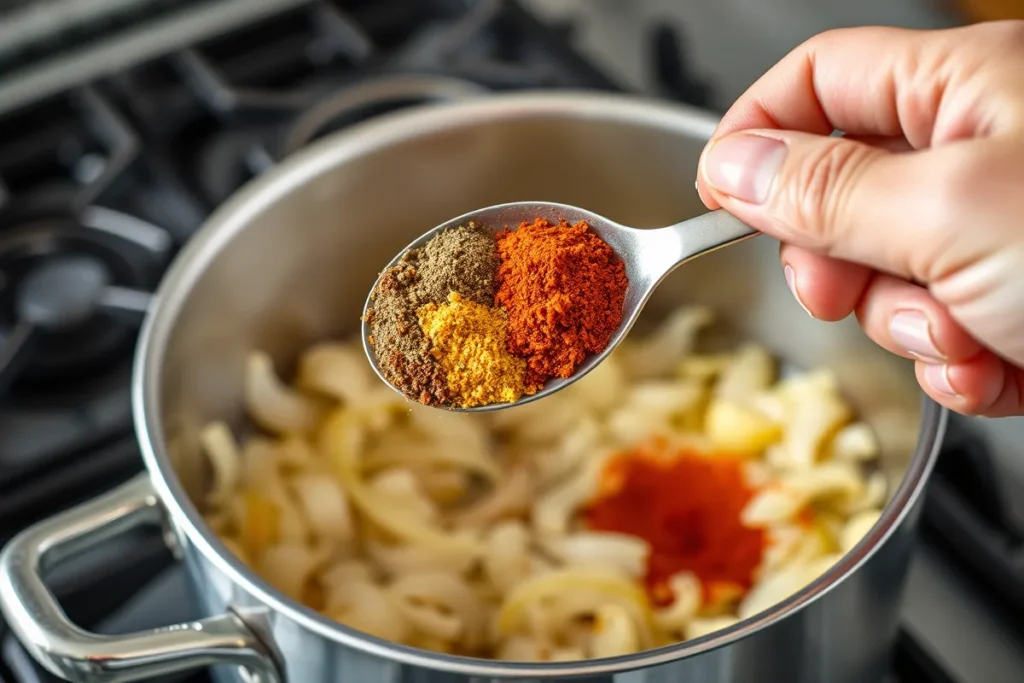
[468, 340]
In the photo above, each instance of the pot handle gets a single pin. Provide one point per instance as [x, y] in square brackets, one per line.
[84, 657]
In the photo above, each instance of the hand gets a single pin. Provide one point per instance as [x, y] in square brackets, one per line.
[915, 219]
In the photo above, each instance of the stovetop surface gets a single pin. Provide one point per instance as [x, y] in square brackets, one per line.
[102, 181]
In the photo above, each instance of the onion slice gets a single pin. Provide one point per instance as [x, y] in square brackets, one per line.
[339, 432]
[611, 587]
[272, 404]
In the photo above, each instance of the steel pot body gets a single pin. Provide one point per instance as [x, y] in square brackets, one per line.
[288, 261]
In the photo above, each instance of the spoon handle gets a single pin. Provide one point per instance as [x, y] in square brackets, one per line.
[708, 232]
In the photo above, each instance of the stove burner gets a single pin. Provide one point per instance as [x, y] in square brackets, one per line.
[72, 292]
[372, 98]
[61, 293]
[67, 291]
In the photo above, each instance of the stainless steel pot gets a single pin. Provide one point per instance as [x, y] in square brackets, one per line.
[289, 260]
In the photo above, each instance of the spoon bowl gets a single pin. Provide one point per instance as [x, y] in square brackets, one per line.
[649, 256]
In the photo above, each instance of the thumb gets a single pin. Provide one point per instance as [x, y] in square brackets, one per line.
[890, 211]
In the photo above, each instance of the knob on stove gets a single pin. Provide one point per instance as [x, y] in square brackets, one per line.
[58, 295]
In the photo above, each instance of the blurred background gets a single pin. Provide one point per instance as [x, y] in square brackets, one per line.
[124, 123]
[732, 42]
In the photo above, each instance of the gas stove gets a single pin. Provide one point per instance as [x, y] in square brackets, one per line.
[123, 124]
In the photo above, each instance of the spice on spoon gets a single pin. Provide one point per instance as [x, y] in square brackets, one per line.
[495, 316]
[461, 260]
[564, 290]
[469, 341]
[399, 343]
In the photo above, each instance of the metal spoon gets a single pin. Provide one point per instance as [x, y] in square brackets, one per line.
[649, 255]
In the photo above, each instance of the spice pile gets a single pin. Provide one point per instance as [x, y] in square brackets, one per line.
[473, 318]
[688, 507]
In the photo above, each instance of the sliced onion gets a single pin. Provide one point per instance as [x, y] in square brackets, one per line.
[337, 370]
[396, 560]
[674, 339]
[615, 632]
[773, 589]
[622, 552]
[259, 459]
[572, 449]
[222, 451]
[665, 397]
[260, 523]
[273, 405]
[602, 388]
[703, 367]
[511, 497]
[366, 607]
[433, 622]
[401, 487]
[288, 567]
[815, 413]
[783, 541]
[468, 432]
[751, 371]
[405, 449]
[444, 485]
[343, 573]
[339, 438]
[441, 595]
[294, 452]
[568, 654]
[857, 528]
[325, 506]
[553, 511]
[781, 584]
[841, 480]
[523, 649]
[686, 593]
[263, 480]
[292, 524]
[609, 586]
[507, 560]
[540, 421]
[856, 442]
[629, 424]
[772, 506]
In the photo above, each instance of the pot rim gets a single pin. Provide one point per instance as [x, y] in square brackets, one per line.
[359, 141]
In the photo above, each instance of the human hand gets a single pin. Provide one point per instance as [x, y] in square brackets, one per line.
[915, 219]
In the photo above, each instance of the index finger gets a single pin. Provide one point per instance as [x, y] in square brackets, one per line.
[878, 81]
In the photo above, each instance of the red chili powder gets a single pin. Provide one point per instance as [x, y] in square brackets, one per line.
[563, 288]
[687, 506]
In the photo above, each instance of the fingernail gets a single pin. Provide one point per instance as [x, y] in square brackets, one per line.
[791, 281]
[936, 375]
[744, 166]
[912, 331]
